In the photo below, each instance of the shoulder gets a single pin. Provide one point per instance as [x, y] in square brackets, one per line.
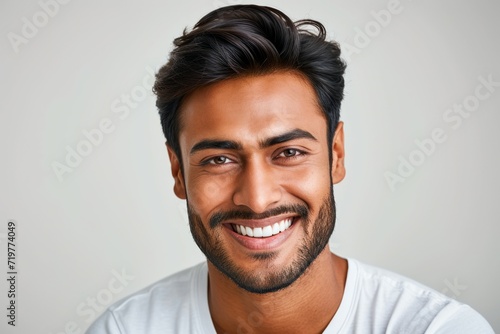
[401, 305]
[157, 308]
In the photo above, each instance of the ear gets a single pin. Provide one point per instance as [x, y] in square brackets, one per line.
[175, 165]
[338, 154]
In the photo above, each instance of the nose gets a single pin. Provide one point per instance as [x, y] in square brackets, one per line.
[257, 186]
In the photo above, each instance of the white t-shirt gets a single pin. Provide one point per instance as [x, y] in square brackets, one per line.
[374, 301]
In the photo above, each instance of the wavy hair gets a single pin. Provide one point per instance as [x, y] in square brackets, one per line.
[245, 40]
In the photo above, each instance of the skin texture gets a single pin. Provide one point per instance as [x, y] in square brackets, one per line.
[238, 167]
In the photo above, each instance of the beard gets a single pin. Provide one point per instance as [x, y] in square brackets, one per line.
[312, 245]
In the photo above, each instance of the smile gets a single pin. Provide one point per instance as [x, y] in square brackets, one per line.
[263, 232]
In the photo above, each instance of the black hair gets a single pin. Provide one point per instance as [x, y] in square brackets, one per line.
[243, 40]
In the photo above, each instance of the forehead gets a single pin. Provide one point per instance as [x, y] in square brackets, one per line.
[251, 107]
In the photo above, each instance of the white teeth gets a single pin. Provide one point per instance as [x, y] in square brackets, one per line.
[276, 228]
[267, 231]
[282, 226]
[263, 232]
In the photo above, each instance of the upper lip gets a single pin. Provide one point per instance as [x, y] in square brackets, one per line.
[261, 222]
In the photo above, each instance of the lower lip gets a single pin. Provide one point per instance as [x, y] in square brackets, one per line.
[263, 244]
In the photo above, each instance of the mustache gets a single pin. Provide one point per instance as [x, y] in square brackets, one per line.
[220, 217]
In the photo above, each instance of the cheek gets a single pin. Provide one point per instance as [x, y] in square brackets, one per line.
[310, 184]
[208, 193]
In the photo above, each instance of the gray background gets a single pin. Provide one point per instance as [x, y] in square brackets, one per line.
[115, 211]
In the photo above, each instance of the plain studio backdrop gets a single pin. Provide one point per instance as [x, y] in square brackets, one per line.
[85, 174]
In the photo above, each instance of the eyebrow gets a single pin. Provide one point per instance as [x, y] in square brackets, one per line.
[207, 144]
[287, 136]
[234, 145]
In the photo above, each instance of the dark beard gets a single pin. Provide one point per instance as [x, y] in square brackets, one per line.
[311, 247]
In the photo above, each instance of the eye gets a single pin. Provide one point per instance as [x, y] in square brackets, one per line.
[289, 153]
[219, 160]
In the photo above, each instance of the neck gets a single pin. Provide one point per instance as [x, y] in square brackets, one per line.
[306, 306]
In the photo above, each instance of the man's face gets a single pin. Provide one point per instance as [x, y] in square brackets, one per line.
[257, 177]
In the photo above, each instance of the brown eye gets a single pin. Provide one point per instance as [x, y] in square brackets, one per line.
[219, 160]
[289, 153]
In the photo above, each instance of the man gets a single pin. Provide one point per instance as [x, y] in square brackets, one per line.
[249, 103]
